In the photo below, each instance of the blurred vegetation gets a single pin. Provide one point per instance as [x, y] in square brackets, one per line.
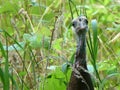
[37, 45]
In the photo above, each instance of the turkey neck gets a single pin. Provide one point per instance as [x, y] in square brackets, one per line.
[81, 49]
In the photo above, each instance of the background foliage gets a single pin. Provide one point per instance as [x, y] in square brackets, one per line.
[37, 44]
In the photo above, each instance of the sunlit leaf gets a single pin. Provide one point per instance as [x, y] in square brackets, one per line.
[8, 7]
[57, 44]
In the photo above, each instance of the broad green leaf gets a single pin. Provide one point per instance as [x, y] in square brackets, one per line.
[22, 73]
[90, 68]
[15, 46]
[37, 41]
[44, 31]
[9, 7]
[35, 10]
[65, 68]
[10, 30]
[27, 37]
[49, 16]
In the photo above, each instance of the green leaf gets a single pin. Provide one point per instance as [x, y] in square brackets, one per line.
[6, 74]
[15, 46]
[2, 50]
[90, 68]
[72, 58]
[46, 43]
[55, 81]
[49, 16]
[44, 31]
[95, 41]
[2, 76]
[32, 40]
[35, 10]
[57, 44]
[27, 37]
[10, 30]
[6, 33]
[65, 68]
[37, 41]
[13, 82]
[22, 73]
[9, 7]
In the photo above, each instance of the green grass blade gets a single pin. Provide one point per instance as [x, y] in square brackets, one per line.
[74, 7]
[95, 41]
[93, 47]
[70, 9]
[6, 33]
[104, 81]
[13, 39]
[6, 74]
[90, 46]
[13, 82]
[7, 82]
[2, 76]
[2, 50]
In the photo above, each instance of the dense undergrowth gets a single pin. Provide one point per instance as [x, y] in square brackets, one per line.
[37, 44]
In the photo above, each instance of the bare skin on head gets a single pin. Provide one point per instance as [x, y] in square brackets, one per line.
[80, 24]
[80, 78]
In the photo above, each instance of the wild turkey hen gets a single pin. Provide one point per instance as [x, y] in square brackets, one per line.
[80, 78]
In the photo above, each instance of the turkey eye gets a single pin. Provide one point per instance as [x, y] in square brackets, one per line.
[86, 21]
[74, 24]
[80, 19]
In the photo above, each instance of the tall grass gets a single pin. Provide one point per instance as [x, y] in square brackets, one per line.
[5, 72]
[28, 27]
[6, 77]
[93, 48]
